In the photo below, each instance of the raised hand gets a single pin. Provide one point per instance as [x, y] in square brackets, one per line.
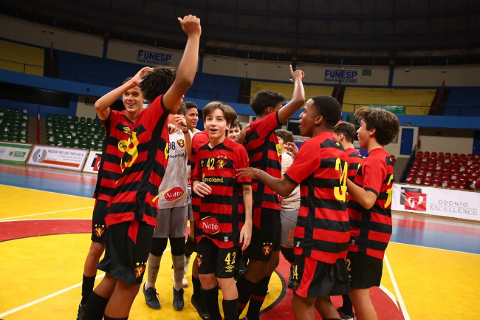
[297, 74]
[137, 78]
[191, 25]
[292, 149]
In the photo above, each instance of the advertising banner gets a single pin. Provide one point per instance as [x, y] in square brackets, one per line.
[57, 157]
[16, 153]
[92, 165]
[436, 201]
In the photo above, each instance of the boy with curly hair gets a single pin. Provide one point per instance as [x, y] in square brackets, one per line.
[132, 211]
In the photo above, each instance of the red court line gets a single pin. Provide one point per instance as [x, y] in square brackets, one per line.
[10, 230]
[69, 177]
[446, 227]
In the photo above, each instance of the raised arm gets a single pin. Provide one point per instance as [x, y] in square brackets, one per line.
[188, 65]
[298, 98]
[102, 105]
[283, 187]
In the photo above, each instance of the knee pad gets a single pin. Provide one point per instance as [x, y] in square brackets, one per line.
[288, 254]
[178, 246]
[189, 247]
[158, 246]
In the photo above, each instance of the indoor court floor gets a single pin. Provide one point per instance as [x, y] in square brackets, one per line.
[430, 271]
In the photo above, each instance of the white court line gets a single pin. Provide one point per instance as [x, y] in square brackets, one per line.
[51, 295]
[397, 291]
[45, 298]
[49, 219]
[39, 214]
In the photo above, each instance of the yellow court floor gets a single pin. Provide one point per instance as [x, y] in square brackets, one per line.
[42, 266]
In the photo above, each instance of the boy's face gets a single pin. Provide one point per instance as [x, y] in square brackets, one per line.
[216, 124]
[233, 133]
[192, 118]
[307, 119]
[363, 135]
[133, 100]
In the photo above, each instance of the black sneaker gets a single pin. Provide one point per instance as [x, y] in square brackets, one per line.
[290, 278]
[201, 309]
[178, 303]
[345, 316]
[81, 310]
[151, 298]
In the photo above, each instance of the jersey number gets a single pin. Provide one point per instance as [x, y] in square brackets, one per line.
[232, 260]
[389, 192]
[341, 192]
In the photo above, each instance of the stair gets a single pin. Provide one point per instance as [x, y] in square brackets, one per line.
[398, 168]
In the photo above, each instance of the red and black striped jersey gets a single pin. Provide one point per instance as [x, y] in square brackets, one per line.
[199, 140]
[143, 164]
[322, 230]
[117, 130]
[265, 154]
[355, 160]
[220, 215]
[370, 230]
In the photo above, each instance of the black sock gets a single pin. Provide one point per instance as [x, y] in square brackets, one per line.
[197, 289]
[244, 288]
[108, 318]
[257, 297]
[210, 298]
[347, 305]
[230, 309]
[189, 246]
[87, 288]
[95, 307]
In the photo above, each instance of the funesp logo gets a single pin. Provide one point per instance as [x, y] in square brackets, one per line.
[153, 57]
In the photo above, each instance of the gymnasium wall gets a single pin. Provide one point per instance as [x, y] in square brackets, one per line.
[458, 76]
[44, 36]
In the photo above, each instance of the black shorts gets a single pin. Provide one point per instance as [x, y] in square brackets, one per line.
[212, 259]
[313, 278]
[126, 259]
[99, 228]
[364, 271]
[268, 237]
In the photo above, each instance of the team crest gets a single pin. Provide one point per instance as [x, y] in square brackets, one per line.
[99, 230]
[126, 130]
[221, 162]
[267, 248]
[199, 260]
[181, 143]
[140, 269]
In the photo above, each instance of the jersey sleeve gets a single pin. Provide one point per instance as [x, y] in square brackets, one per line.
[111, 120]
[374, 172]
[305, 164]
[266, 125]
[196, 175]
[241, 161]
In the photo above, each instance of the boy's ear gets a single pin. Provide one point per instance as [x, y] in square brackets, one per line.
[318, 120]
[372, 131]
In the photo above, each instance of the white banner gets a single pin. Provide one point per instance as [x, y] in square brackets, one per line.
[436, 201]
[92, 164]
[16, 153]
[57, 157]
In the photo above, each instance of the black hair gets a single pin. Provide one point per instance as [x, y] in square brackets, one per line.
[190, 105]
[329, 108]
[265, 99]
[157, 82]
[182, 110]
